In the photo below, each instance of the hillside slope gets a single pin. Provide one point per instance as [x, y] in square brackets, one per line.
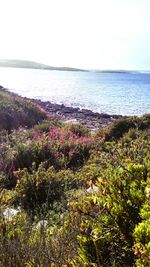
[16, 112]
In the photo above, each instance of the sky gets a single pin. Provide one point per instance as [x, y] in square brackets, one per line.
[93, 34]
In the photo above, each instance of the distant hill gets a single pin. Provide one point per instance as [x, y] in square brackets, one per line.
[116, 71]
[32, 65]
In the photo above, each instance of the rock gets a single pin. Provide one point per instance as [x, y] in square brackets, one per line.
[92, 189]
[87, 112]
[41, 224]
[104, 115]
[71, 121]
[9, 213]
[88, 118]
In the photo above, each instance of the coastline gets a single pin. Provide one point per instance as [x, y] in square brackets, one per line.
[71, 115]
[88, 118]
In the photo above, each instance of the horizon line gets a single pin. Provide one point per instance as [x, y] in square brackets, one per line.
[85, 69]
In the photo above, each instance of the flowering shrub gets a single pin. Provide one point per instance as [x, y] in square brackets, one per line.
[69, 149]
[58, 147]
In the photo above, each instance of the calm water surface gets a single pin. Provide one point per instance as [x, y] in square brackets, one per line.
[113, 93]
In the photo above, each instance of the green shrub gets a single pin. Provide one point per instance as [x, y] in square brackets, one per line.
[16, 111]
[46, 125]
[123, 125]
[108, 218]
[42, 188]
[78, 130]
[119, 128]
[141, 233]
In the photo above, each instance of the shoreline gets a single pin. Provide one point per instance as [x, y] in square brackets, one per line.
[71, 115]
[88, 118]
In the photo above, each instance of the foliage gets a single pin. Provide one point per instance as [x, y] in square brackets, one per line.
[42, 189]
[108, 218]
[93, 191]
[123, 125]
[16, 112]
[78, 130]
[23, 244]
[58, 147]
[142, 232]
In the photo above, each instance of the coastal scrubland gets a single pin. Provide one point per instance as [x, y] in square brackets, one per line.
[71, 197]
[16, 112]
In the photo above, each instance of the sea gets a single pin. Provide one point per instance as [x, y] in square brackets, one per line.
[124, 93]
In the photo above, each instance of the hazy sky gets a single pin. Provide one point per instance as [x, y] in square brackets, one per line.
[109, 34]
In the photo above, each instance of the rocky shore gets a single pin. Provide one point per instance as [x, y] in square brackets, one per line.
[88, 118]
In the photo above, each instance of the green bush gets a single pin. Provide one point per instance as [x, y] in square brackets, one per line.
[123, 125]
[119, 128]
[42, 188]
[16, 111]
[78, 130]
[109, 217]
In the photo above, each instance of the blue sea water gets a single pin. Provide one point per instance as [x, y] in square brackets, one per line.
[113, 93]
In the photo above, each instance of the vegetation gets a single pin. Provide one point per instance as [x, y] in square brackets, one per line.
[16, 112]
[71, 198]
